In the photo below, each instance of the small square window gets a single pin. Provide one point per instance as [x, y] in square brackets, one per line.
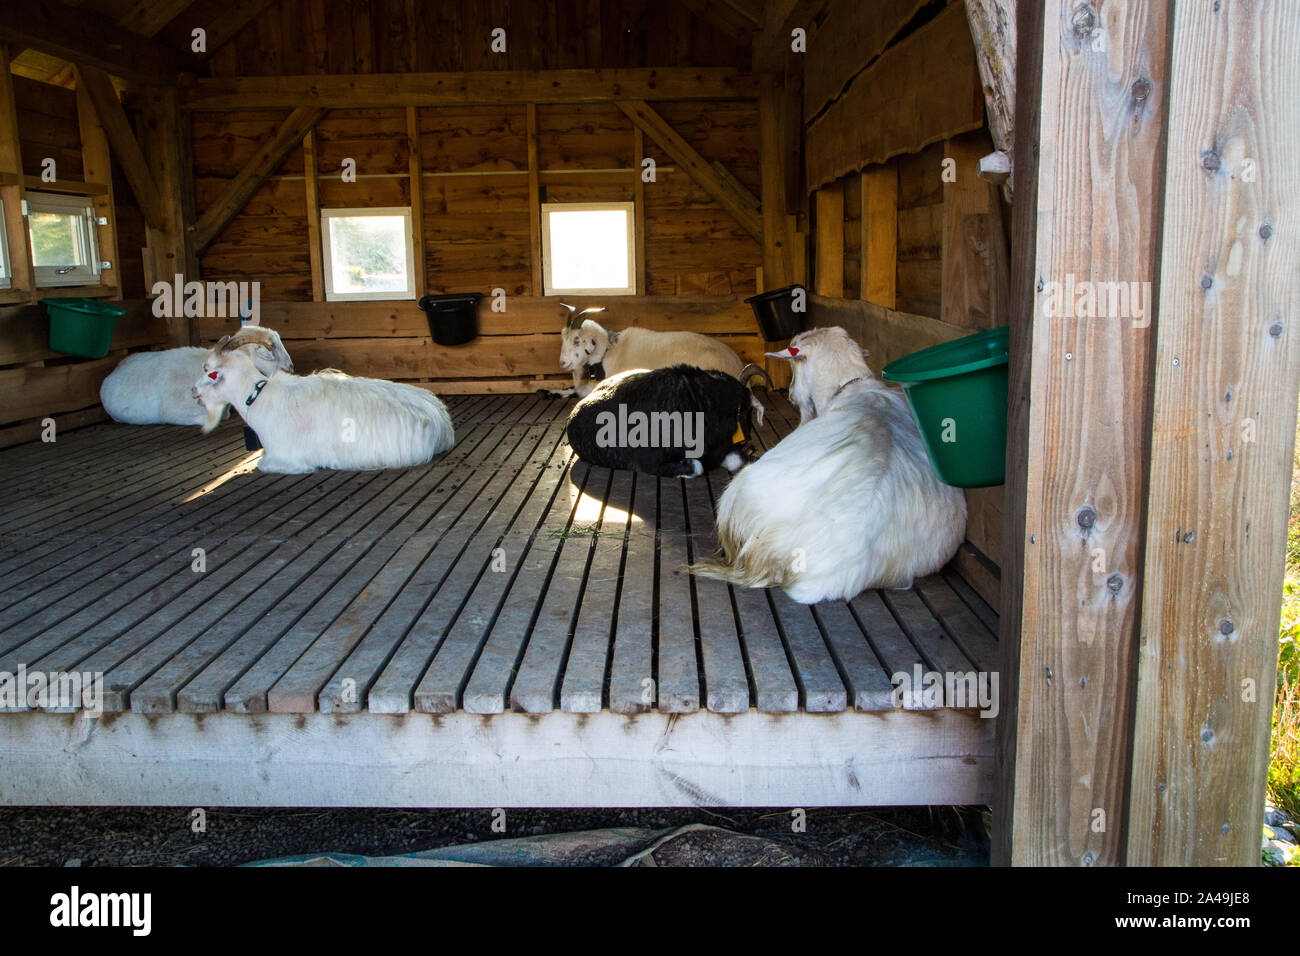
[368, 254]
[588, 248]
[62, 230]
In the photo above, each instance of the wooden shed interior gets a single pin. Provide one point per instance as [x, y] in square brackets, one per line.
[924, 167]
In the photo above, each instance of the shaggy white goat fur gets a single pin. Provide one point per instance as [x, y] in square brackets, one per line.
[153, 388]
[584, 343]
[326, 419]
[845, 502]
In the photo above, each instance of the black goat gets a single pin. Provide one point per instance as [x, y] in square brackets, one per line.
[675, 421]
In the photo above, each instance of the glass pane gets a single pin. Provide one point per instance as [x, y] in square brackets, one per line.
[589, 249]
[368, 253]
[56, 239]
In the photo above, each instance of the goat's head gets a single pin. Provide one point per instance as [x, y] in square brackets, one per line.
[263, 346]
[582, 341]
[228, 374]
[822, 361]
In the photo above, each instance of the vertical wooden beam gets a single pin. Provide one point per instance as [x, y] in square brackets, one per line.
[97, 166]
[1227, 367]
[534, 204]
[314, 250]
[778, 233]
[829, 248]
[417, 194]
[22, 280]
[1078, 422]
[638, 206]
[965, 296]
[169, 253]
[879, 224]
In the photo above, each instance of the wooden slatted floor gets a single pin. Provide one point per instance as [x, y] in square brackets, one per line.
[502, 577]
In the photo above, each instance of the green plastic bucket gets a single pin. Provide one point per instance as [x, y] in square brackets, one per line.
[958, 395]
[82, 327]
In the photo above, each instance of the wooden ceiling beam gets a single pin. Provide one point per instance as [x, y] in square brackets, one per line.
[249, 179]
[725, 189]
[221, 20]
[86, 37]
[482, 88]
[147, 17]
[780, 19]
[99, 89]
[734, 21]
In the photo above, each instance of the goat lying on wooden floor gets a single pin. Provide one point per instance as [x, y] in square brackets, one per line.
[326, 419]
[845, 502]
[153, 388]
[676, 421]
[586, 345]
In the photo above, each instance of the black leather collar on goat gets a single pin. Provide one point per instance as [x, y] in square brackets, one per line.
[257, 390]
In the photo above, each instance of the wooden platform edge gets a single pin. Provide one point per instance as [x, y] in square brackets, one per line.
[901, 758]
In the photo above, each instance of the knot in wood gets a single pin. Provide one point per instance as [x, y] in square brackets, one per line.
[1084, 20]
[1115, 582]
[1210, 160]
[1086, 517]
[1206, 282]
[1226, 628]
[1275, 329]
[1141, 89]
[1266, 230]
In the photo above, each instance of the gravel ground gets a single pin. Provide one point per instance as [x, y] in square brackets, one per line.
[162, 836]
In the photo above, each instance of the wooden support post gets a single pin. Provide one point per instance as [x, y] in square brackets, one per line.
[314, 251]
[135, 168]
[829, 249]
[416, 165]
[168, 253]
[638, 207]
[249, 179]
[1078, 423]
[97, 166]
[534, 204]
[12, 194]
[781, 243]
[966, 255]
[1227, 367]
[993, 29]
[879, 224]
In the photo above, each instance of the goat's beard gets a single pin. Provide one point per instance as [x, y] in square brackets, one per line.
[214, 416]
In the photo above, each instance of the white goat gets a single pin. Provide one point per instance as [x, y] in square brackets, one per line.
[584, 343]
[153, 388]
[326, 419]
[845, 502]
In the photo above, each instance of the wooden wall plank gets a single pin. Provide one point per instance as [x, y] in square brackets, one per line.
[416, 186]
[1227, 368]
[879, 231]
[480, 88]
[849, 37]
[829, 240]
[315, 251]
[1088, 165]
[924, 89]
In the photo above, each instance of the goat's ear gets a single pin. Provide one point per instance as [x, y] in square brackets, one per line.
[791, 353]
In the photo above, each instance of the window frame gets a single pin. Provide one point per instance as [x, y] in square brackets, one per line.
[414, 280]
[76, 204]
[548, 286]
[7, 279]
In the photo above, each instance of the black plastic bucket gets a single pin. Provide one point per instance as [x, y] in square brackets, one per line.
[453, 318]
[774, 310]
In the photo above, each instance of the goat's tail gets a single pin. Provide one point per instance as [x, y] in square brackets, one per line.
[760, 567]
[747, 373]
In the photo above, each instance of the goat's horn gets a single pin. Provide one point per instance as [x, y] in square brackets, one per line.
[752, 371]
[221, 344]
[595, 308]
